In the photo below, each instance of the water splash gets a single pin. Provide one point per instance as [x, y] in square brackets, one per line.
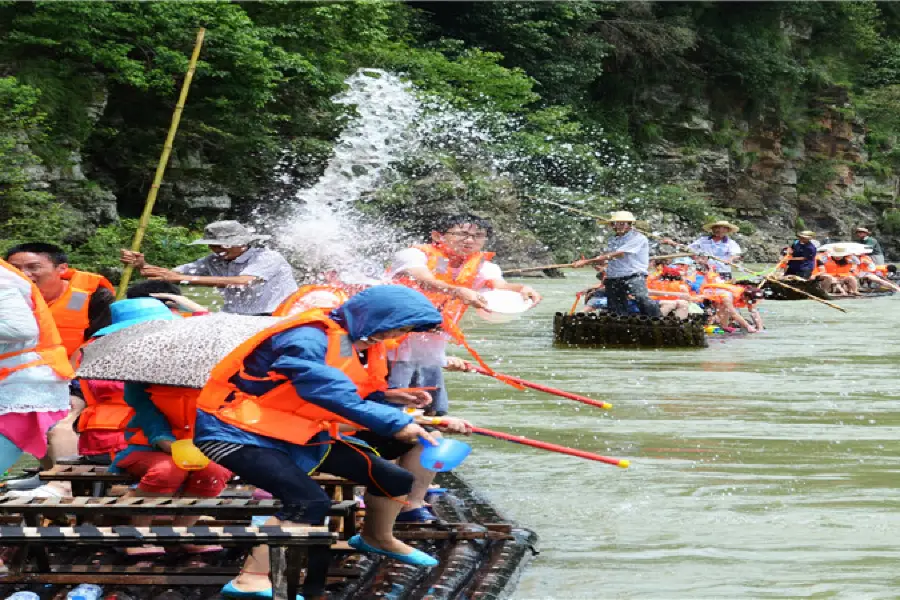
[324, 230]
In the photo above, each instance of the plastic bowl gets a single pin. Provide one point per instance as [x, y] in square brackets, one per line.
[504, 306]
[446, 456]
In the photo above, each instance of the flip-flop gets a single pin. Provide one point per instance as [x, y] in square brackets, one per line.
[416, 557]
[229, 591]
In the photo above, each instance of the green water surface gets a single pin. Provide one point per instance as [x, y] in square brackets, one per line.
[764, 466]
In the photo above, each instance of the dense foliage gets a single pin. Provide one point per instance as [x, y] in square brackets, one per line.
[587, 84]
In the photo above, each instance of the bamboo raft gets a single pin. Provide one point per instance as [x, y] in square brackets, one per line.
[603, 330]
[773, 291]
[481, 554]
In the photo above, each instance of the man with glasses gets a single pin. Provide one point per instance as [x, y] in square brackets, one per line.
[627, 258]
[451, 271]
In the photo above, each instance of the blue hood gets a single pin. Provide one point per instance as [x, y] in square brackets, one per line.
[385, 307]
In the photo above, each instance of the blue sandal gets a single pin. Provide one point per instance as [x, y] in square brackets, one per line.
[416, 557]
[229, 591]
[417, 515]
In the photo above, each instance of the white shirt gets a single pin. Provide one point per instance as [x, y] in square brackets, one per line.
[429, 348]
[726, 248]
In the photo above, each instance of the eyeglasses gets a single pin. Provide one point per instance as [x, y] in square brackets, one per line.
[463, 235]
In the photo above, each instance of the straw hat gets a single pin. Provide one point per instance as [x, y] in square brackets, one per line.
[621, 216]
[863, 229]
[731, 226]
[806, 233]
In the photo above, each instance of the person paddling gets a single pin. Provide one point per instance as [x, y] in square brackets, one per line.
[802, 255]
[253, 280]
[720, 245]
[628, 258]
[865, 237]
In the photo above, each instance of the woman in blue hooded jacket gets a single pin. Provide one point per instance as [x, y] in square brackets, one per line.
[298, 355]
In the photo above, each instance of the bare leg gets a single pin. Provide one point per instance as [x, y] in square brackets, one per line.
[852, 285]
[423, 477]
[254, 575]
[143, 522]
[62, 440]
[682, 309]
[378, 529]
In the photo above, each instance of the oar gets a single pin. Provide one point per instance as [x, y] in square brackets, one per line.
[163, 161]
[618, 462]
[543, 388]
[571, 265]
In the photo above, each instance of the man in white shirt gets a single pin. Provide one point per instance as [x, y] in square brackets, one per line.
[720, 245]
[451, 271]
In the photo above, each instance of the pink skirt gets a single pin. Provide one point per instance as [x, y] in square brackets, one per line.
[28, 431]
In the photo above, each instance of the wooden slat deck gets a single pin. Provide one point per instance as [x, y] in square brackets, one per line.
[287, 548]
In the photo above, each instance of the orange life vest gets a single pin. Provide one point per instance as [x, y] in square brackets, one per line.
[867, 265]
[70, 311]
[882, 271]
[109, 413]
[848, 269]
[293, 303]
[49, 348]
[178, 405]
[715, 291]
[281, 413]
[668, 285]
[451, 307]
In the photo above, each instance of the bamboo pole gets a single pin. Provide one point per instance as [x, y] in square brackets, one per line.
[571, 265]
[163, 161]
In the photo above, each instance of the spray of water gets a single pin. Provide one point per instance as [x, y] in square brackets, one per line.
[323, 229]
[395, 126]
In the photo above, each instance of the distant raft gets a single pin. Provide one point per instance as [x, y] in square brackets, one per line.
[773, 291]
[601, 329]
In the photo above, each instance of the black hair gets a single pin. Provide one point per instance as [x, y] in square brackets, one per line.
[143, 289]
[56, 254]
[892, 268]
[448, 222]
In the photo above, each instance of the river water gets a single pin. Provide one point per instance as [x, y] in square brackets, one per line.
[764, 466]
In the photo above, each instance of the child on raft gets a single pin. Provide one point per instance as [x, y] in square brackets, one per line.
[157, 423]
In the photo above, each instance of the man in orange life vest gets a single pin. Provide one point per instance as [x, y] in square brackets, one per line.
[79, 302]
[451, 271]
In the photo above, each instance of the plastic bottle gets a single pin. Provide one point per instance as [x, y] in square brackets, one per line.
[86, 591]
[24, 596]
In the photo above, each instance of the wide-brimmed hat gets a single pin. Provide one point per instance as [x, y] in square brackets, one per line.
[863, 229]
[845, 249]
[806, 233]
[621, 216]
[228, 233]
[126, 313]
[731, 226]
[842, 250]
